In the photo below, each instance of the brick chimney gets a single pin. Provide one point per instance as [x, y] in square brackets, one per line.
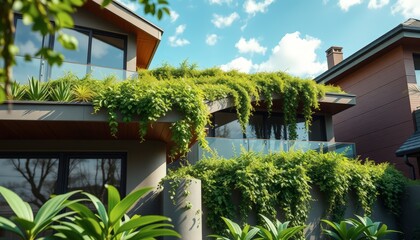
[334, 56]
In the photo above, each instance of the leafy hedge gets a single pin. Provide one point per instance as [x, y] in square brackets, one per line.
[279, 183]
[156, 92]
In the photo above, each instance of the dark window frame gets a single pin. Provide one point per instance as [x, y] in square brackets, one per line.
[51, 42]
[63, 164]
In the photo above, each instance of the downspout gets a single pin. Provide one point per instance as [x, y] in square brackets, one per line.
[411, 166]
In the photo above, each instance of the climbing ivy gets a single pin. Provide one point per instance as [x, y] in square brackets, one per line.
[186, 90]
[278, 184]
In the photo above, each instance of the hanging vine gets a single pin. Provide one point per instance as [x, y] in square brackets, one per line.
[186, 90]
[278, 185]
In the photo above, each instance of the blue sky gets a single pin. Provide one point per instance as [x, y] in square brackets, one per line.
[272, 35]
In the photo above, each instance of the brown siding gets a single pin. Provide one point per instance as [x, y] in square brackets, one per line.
[381, 120]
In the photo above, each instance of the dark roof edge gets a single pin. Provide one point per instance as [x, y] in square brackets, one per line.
[136, 15]
[366, 52]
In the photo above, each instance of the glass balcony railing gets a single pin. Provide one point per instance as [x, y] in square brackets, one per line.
[229, 148]
[40, 69]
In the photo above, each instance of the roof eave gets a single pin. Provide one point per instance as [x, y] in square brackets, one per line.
[381, 43]
[132, 18]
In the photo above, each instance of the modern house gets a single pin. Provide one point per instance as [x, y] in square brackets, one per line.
[385, 77]
[54, 147]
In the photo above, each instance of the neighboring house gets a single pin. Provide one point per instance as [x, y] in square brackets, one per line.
[385, 77]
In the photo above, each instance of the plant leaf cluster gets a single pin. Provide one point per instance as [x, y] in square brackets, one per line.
[80, 222]
[279, 183]
[356, 229]
[270, 230]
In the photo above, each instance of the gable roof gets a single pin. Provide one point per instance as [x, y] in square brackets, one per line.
[148, 35]
[408, 29]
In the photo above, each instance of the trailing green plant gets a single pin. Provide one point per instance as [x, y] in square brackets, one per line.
[278, 184]
[62, 92]
[277, 230]
[37, 91]
[234, 232]
[27, 226]
[187, 90]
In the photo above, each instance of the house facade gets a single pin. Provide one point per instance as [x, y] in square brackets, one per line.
[55, 147]
[385, 77]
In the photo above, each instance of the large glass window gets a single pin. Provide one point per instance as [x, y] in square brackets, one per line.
[29, 43]
[99, 53]
[91, 174]
[35, 176]
[264, 126]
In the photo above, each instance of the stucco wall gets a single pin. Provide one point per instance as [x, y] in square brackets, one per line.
[381, 120]
[146, 162]
[84, 18]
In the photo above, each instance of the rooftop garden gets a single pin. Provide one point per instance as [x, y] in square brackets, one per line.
[185, 89]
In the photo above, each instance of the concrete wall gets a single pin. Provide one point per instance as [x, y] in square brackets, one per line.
[146, 162]
[84, 18]
[408, 222]
[381, 120]
[182, 203]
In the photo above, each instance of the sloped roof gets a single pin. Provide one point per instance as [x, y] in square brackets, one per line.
[407, 29]
[410, 147]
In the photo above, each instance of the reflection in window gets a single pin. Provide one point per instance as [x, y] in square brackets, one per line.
[33, 179]
[227, 125]
[275, 128]
[91, 175]
[28, 41]
[107, 51]
[76, 56]
[262, 126]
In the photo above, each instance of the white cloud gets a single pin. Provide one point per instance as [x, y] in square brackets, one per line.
[241, 64]
[346, 4]
[250, 46]
[176, 40]
[212, 39]
[132, 5]
[174, 16]
[220, 2]
[252, 6]
[180, 29]
[221, 21]
[407, 8]
[294, 55]
[375, 4]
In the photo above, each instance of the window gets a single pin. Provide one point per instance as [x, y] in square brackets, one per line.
[416, 59]
[99, 53]
[35, 176]
[28, 43]
[263, 126]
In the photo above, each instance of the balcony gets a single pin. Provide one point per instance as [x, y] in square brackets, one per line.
[40, 69]
[229, 148]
